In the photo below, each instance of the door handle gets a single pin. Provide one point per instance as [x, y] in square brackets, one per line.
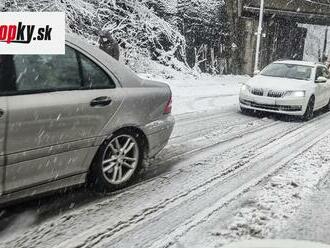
[101, 101]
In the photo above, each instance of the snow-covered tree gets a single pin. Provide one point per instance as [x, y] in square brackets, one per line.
[162, 30]
[203, 23]
[134, 23]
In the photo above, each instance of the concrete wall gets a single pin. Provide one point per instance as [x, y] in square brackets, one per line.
[281, 40]
[249, 42]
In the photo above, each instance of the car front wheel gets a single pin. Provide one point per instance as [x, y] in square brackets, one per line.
[118, 162]
[309, 110]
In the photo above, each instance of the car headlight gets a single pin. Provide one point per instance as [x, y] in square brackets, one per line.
[245, 88]
[298, 93]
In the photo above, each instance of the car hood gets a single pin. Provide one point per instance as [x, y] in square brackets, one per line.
[283, 243]
[277, 83]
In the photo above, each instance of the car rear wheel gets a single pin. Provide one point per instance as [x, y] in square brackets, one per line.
[309, 110]
[118, 162]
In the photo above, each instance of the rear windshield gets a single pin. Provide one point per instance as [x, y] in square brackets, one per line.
[301, 72]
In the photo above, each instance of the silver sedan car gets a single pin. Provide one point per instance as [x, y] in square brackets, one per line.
[76, 118]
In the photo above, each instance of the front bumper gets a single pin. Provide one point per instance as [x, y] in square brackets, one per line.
[158, 134]
[290, 106]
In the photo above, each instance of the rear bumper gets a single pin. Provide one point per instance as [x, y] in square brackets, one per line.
[158, 133]
[290, 106]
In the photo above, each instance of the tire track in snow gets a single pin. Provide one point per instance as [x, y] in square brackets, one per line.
[154, 210]
[204, 215]
[235, 167]
[193, 117]
[183, 128]
[202, 127]
[254, 170]
[228, 138]
[256, 142]
[255, 139]
[202, 142]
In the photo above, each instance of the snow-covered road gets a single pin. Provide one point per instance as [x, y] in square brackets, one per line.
[223, 176]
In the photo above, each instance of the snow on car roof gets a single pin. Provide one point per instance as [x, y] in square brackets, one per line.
[298, 62]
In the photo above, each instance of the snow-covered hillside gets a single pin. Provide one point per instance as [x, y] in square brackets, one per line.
[147, 30]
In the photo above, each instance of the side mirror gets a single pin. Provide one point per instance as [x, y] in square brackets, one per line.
[256, 72]
[321, 80]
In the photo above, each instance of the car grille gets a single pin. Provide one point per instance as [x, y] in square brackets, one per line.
[270, 106]
[274, 93]
[258, 92]
[270, 93]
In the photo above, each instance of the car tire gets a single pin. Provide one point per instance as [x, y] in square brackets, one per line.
[117, 163]
[246, 111]
[309, 112]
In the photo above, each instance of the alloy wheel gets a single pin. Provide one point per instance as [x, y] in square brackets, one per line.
[120, 159]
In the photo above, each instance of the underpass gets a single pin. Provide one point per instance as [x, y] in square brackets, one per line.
[283, 35]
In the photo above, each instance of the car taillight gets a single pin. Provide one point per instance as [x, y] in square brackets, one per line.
[168, 107]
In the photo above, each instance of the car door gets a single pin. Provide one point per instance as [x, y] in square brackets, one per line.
[319, 89]
[55, 115]
[326, 96]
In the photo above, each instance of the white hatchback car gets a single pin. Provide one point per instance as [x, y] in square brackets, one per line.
[288, 87]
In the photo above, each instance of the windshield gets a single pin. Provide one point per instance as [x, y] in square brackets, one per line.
[301, 72]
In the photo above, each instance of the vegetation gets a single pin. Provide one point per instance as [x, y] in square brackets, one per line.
[177, 33]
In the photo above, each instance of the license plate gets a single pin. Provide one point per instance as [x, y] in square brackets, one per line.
[265, 101]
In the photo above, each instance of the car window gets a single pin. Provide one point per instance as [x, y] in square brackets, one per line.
[93, 75]
[47, 72]
[322, 72]
[301, 72]
[318, 72]
[7, 74]
[325, 72]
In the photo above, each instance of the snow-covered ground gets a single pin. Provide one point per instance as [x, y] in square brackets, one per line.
[206, 92]
[223, 176]
[266, 210]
